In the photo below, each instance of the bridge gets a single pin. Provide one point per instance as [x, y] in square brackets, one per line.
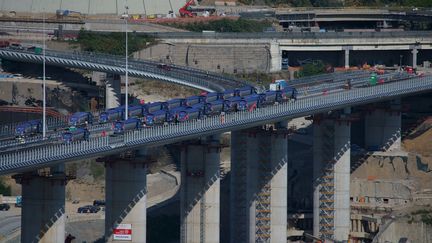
[259, 164]
[342, 48]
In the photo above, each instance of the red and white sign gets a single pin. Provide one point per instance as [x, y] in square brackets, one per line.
[123, 232]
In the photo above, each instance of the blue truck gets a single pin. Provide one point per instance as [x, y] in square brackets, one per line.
[230, 104]
[136, 111]
[189, 114]
[155, 118]
[111, 115]
[119, 127]
[80, 119]
[227, 94]
[173, 103]
[75, 135]
[214, 107]
[245, 91]
[250, 102]
[192, 100]
[28, 128]
[212, 96]
[270, 97]
[289, 93]
[152, 107]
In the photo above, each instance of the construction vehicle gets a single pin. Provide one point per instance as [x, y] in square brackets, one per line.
[190, 9]
[68, 14]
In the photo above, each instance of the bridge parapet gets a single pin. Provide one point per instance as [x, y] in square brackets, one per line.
[56, 153]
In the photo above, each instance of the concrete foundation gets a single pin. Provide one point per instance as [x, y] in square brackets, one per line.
[112, 91]
[126, 189]
[200, 192]
[43, 206]
[332, 179]
[259, 178]
[383, 128]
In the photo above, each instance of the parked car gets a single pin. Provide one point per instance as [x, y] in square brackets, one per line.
[4, 207]
[99, 203]
[88, 209]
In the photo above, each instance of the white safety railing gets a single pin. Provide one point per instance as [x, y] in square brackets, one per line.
[35, 157]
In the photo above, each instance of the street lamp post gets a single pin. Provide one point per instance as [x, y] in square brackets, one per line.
[43, 83]
[125, 16]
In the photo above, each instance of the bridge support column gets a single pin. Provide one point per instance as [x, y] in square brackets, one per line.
[112, 91]
[200, 191]
[126, 190]
[331, 152]
[43, 205]
[347, 59]
[259, 177]
[414, 53]
[383, 128]
[275, 57]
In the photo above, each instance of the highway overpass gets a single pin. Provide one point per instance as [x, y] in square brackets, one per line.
[260, 151]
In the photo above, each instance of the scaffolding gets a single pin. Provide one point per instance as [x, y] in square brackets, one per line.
[263, 196]
[240, 234]
[326, 184]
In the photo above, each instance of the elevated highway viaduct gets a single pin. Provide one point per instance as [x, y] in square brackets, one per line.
[258, 202]
[248, 52]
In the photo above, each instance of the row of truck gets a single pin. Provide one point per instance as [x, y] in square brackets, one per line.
[172, 111]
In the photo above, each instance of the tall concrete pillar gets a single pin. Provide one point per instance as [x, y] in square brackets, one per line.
[275, 56]
[414, 53]
[346, 56]
[383, 128]
[126, 190]
[331, 152]
[259, 178]
[43, 205]
[112, 91]
[347, 60]
[200, 191]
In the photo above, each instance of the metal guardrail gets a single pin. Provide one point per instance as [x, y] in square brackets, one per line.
[294, 35]
[40, 157]
[139, 68]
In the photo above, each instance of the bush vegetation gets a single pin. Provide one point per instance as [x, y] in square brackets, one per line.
[339, 3]
[225, 25]
[5, 190]
[112, 43]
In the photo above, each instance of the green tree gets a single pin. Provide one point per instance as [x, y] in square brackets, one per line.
[311, 69]
[112, 43]
[226, 25]
[5, 190]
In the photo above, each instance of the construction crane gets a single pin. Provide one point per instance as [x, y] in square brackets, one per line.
[189, 10]
[184, 10]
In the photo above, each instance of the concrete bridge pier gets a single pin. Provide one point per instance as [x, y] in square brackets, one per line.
[259, 178]
[346, 56]
[331, 173]
[347, 60]
[200, 191]
[383, 127]
[275, 57]
[43, 205]
[126, 190]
